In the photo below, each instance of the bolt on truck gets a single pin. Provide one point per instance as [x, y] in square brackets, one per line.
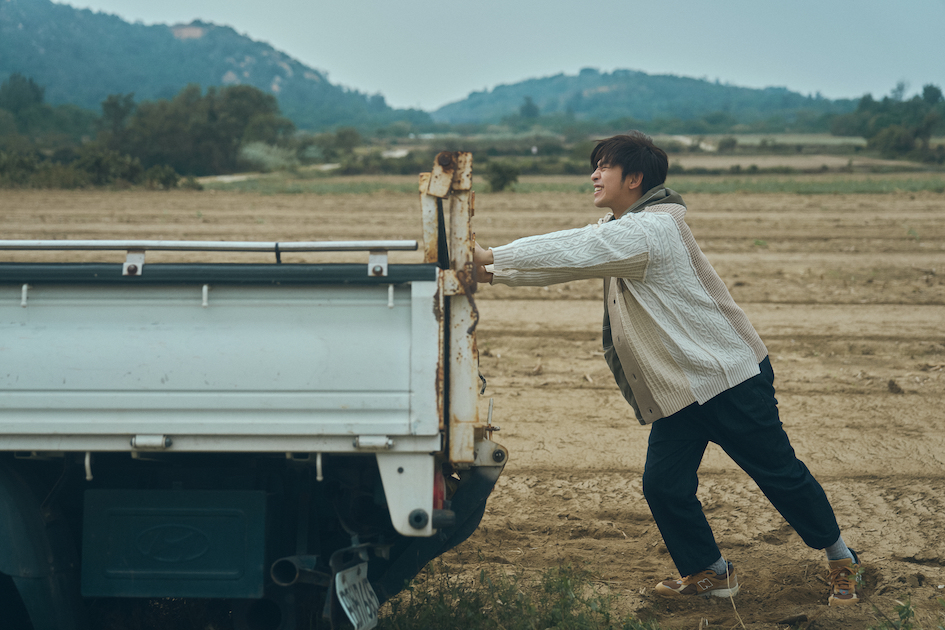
[297, 439]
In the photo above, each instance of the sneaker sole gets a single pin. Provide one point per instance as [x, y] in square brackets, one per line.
[842, 602]
[722, 592]
[719, 592]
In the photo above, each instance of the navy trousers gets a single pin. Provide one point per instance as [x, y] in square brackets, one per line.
[744, 422]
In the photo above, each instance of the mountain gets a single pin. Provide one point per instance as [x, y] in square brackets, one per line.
[595, 95]
[81, 57]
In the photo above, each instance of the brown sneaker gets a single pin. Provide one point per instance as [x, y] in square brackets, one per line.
[705, 583]
[843, 577]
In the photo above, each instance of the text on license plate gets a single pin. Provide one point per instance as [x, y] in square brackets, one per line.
[357, 597]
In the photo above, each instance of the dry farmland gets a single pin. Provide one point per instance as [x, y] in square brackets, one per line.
[848, 292]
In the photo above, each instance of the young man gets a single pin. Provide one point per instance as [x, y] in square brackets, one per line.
[685, 357]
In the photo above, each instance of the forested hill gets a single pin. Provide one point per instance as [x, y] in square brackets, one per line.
[81, 57]
[594, 95]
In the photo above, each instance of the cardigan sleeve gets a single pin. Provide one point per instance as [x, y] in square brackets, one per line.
[613, 249]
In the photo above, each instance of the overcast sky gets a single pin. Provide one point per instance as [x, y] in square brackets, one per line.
[423, 53]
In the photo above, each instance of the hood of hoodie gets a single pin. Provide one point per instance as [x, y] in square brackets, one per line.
[658, 194]
[654, 196]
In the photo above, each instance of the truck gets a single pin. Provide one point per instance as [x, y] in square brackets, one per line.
[295, 440]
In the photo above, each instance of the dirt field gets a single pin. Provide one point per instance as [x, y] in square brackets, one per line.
[848, 292]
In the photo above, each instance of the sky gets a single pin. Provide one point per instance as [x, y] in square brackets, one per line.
[425, 54]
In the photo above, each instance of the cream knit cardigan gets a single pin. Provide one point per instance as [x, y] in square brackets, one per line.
[678, 337]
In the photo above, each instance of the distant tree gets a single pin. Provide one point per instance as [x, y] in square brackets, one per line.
[116, 111]
[268, 129]
[932, 94]
[19, 93]
[528, 110]
[202, 134]
[377, 103]
[27, 124]
[897, 127]
[899, 92]
[249, 114]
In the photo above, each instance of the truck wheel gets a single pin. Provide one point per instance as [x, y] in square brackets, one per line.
[14, 612]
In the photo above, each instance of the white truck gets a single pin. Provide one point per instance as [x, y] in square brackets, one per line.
[299, 439]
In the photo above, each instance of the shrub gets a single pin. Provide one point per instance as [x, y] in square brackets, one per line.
[191, 183]
[105, 166]
[16, 170]
[161, 177]
[501, 175]
[893, 141]
[66, 176]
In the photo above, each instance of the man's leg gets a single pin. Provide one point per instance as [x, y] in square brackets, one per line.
[670, 481]
[747, 426]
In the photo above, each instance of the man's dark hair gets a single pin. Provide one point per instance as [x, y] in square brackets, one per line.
[634, 153]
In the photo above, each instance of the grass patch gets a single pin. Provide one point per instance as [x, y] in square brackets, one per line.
[285, 185]
[796, 184]
[564, 598]
[813, 184]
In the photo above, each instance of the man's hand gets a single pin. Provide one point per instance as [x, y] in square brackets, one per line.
[481, 258]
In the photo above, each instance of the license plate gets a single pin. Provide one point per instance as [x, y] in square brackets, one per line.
[357, 597]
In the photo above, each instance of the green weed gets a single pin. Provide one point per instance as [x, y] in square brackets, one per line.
[563, 598]
[905, 620]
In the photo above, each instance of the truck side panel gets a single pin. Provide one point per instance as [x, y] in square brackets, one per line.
[287, 361]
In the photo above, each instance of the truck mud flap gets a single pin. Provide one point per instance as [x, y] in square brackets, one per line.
[469, 505]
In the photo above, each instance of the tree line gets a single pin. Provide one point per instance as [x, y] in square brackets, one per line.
[223, 130]
[898, 127]
[195, 133]
[154, 143]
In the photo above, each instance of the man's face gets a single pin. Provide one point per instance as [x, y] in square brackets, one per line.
[613, 190]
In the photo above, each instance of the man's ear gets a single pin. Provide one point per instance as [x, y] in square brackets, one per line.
[634, 180]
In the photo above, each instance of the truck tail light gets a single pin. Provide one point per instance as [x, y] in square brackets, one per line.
[439, 489]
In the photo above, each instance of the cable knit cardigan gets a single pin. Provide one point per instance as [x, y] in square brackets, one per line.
[673, 336]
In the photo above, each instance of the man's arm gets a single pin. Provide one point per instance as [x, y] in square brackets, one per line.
[613, 249]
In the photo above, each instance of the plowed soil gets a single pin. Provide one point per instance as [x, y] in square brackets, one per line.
[848, 292]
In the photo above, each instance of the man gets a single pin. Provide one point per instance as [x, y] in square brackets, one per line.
[685, 357]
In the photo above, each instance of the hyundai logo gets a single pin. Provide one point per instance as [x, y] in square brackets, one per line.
[173, 543]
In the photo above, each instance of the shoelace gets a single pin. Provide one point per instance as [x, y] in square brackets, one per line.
[842, 578]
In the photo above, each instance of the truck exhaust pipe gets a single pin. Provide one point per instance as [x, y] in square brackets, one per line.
[294, 569]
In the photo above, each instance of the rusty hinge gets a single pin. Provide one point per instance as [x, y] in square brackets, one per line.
[450, 284]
